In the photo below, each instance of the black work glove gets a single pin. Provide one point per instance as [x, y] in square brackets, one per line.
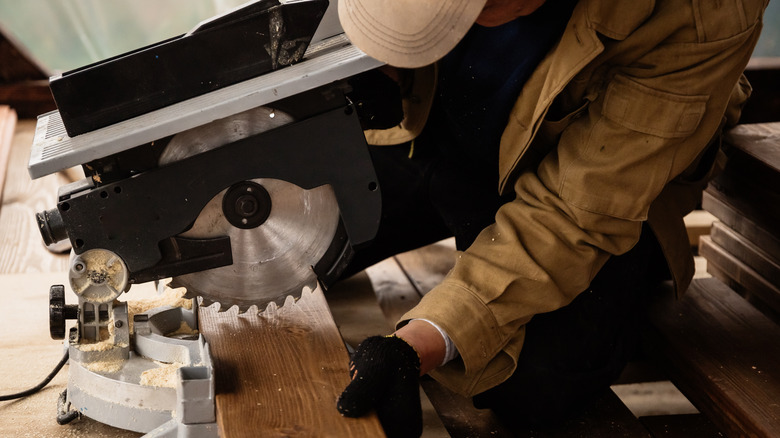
[385, 375]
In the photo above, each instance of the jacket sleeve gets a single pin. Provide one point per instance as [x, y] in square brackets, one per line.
[649, 121]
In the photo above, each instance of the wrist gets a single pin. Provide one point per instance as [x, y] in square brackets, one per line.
[427, 341]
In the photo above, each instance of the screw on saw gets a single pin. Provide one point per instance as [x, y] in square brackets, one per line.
[246, 205]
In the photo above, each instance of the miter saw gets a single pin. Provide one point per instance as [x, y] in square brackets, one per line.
[231, 159]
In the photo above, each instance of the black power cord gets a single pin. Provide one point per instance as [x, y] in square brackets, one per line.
[39, 386]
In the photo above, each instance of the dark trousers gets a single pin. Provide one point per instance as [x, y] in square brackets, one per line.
[570, 355]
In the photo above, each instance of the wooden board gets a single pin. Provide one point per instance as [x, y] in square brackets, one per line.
[722, 353]
[760, 141]
[715, 271]
[736, 270]
[279, 373]
[746, 251]
[681, 426]
[426, 267]
[395, 292]
[737, 216]
[7, 125]
[698, 223]
[21, 246]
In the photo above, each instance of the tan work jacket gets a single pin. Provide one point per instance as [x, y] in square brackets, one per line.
[611, 130]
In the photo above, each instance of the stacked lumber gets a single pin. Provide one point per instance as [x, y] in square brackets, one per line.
[743, 249]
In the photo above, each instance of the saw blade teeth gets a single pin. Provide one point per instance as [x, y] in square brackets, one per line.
[205, 302]
[270, 307]
[245, 308]
[223, 307]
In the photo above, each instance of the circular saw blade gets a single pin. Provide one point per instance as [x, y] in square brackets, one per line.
[221, 132]
[275, 259]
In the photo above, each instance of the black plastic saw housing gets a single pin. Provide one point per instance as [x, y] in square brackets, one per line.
[255, 39]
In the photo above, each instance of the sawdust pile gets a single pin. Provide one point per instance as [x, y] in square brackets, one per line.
[183, 330]
[106, 340]
[163, 376]
[170, 297]
[109, 366]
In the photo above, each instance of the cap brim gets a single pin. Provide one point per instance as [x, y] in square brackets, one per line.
[407, 33]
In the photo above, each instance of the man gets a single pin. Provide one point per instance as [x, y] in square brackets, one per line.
[566, 141]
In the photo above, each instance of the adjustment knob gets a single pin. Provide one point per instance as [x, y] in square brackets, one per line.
[59, 311]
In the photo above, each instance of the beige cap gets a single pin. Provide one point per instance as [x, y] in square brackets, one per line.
[407, 33]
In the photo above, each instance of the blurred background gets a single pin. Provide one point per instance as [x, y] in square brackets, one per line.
[66, 34]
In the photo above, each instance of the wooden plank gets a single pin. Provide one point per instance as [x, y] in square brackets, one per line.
[697, 224]
[280, 372]
[459, 415]
[395, 292]
[736, 215]
[681, 426]
[426, 267]
[722, 354]
[741, 273]
[607, 417]
[717, 272]
[355, 310]
[21, 246]
[746, 251]
[760, 141]
[7, 125]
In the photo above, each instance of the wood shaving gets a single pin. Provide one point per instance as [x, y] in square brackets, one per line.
[171, 297]
[163, 376]
[106, 342]
[184, 329]
[105, 367]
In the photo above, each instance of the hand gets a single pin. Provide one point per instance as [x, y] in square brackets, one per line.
[385, 375]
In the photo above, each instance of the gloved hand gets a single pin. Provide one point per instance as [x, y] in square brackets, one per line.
[385, 375]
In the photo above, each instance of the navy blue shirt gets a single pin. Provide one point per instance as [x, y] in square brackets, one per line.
[481, 78]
